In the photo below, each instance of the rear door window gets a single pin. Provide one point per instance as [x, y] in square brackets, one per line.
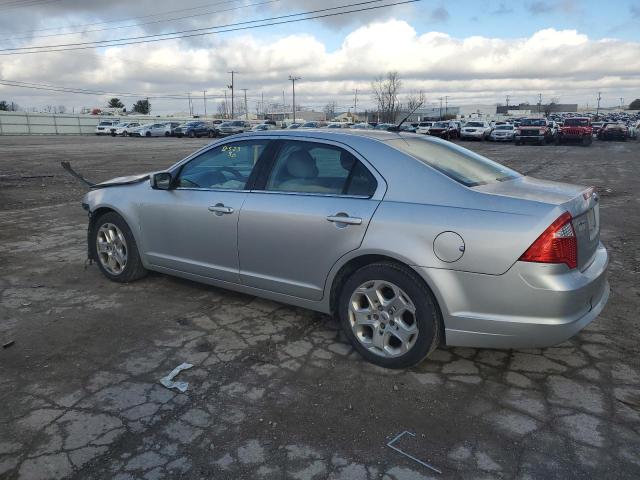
[309, 167]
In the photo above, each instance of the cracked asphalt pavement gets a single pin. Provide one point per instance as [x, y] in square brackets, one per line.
[276, 392]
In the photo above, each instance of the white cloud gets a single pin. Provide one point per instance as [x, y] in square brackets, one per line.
[565, 64]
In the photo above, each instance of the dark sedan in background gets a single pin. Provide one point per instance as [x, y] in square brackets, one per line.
[195, 130]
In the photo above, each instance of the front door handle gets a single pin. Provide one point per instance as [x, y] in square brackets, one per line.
[344, 219]
[220, 209]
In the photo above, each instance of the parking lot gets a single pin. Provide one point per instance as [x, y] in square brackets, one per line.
[276, 392]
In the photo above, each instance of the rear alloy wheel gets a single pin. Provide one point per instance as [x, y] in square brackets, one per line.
[148, 134]
[125, 134]
[116, 250]
[389, 315]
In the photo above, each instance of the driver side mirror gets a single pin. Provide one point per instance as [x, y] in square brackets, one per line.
[161, 181]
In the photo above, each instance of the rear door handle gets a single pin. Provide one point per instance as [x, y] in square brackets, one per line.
[344, 219]
[220, 209]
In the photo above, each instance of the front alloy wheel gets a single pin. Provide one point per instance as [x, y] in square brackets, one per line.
[111, 247]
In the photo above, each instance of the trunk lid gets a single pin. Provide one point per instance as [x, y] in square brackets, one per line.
[581, 202]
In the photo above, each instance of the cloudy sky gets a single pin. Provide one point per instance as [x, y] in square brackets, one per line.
[471, 51]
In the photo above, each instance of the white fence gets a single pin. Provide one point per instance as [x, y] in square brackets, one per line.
[22, 123]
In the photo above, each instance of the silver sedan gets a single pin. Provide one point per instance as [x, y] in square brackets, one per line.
[411, 241]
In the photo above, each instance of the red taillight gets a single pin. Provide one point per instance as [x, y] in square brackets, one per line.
[557, 244]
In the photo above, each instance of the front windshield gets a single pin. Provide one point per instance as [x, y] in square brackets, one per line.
[309, 125]
[440, 125]
[460, 164]
[504, 127]
[576, 122]
[474, 124]
[533, 122]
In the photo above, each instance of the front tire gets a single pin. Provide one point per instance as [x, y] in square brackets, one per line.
[115, 249]
[389, 315]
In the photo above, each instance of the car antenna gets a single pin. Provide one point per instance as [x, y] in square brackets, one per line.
[67, 167]
[396, 128]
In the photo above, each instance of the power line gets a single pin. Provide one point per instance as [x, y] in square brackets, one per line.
[29, 3]
[84, 91]
[199, 14]
[154, 36]
[178, 35]
[106, 22]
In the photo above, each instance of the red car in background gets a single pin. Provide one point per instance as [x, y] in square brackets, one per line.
[576, 129]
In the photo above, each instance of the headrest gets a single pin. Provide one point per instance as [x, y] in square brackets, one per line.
[347, 160]
[301, 165]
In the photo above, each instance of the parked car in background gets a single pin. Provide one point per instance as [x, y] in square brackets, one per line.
[444, 130]
[613, 131]
[150, 130]
[341, 222]
[233, 127]
[261, 127]
[534, 130]
[313, 125]
[338, 125]
[104, 126]
[294, 125]
[475, 130]
[576, 129]
[194, 129]
[171, 128]
[596, 126]
[124, 129]
[502, 133]
[362, 126]
[384, 126]
[423, 127]
[409, 127]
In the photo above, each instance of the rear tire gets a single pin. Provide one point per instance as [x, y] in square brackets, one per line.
[148, 134]
[397, 323]
[115, 249]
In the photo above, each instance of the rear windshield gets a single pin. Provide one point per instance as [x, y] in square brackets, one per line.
[460, 164]
[576, 122]
[474, 124]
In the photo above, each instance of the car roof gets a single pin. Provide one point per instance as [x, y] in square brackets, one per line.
[339, 135]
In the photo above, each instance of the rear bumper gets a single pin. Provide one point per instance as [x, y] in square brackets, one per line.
[531, 305]
[501, 138]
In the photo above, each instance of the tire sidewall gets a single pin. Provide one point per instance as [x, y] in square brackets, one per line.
[427, 314]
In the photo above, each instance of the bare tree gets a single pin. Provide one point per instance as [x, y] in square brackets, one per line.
[385, 94]
[222, 109]
[415, 100]
[330, 110]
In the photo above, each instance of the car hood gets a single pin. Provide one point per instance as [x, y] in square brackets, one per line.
[128, 180]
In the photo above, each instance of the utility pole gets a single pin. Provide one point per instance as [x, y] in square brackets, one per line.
[284, 106]
[446, 106]
[231, 87]
[598, 109]
[246, 108]
[262, 104]
[204, 99]
[293, 83]
[226, 109]
[440, 108]
[508, 102]
[190, 105]
[539, 102]
[355, 104]
[621, 103]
